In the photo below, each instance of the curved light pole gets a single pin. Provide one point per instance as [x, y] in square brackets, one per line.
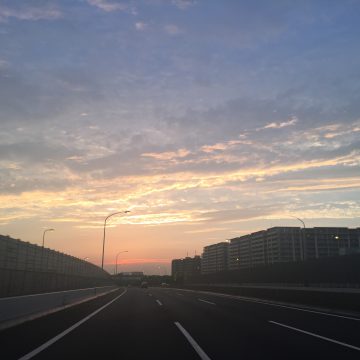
[302, 243]
[302, 237]
[116, 259]
[45, 231]
[119, 212]
[299, 220]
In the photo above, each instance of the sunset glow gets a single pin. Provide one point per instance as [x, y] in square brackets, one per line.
[206, 119]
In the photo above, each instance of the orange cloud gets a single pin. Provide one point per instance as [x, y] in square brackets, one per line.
[168, 155]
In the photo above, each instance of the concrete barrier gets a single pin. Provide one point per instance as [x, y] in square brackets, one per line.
[14, 310]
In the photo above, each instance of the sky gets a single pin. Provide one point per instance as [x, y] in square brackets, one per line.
[206, 119]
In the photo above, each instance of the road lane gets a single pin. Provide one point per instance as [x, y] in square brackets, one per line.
[343, 328]
[276, 304]
[316, 335]
[52, 341]
[202, 354]
[243, 328]
[187, 325]
[134, 327]
[21, 339]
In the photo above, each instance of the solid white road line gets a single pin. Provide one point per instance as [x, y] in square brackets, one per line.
[159, 302]
[296, 308]
[240, 298]
[180, 294]
[193, 343]
[316, 335]
[208, 302]
[67, 331]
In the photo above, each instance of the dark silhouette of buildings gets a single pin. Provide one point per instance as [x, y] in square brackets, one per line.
[215, 258]
[184, 269]
[271, 246]
[290, 244]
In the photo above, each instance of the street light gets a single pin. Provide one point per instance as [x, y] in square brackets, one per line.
[299, 220]
[302, 237]
[45, 231]
[119, 212]
[116, 261]
[302, 247]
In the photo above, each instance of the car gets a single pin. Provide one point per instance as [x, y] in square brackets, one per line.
[164, 284]
[144, 285]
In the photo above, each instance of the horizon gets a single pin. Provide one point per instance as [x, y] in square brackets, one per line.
[150, 268]
[207, 120]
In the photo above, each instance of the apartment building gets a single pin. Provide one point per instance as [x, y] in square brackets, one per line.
[286, 244]
[330, 241]
[183, 269]
[215, 258]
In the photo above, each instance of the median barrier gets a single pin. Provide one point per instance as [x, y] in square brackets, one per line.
[14, 310]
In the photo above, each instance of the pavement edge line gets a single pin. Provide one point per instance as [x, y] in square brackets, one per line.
[67, 331]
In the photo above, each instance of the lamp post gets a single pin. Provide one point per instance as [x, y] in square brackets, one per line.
[119, 212]
[302, 237]
[302, 243]
[45, 231]
[116, 260]
[299, 220]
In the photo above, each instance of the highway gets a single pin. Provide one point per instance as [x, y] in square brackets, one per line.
[164, 323]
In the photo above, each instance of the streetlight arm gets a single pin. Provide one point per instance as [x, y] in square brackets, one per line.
[45, 231]
[116, 261]
[302, 240]
[299, 220]
[119, 212]
[103, 249]
[119, 254]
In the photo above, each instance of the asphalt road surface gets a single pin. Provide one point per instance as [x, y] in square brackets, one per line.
[159, 323]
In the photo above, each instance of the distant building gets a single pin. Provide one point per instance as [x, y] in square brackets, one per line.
[286, 244]
[138, 274]
[322, 242]
[129, 277]
[177, 269]
[215, 258]
[184, 269]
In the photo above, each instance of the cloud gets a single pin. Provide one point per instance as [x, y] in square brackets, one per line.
[184, 4]
[4, 64]
[140, 26]
[34, 152]
[108, 6]
[247, 212]
[181, 153]
[278, 125]
[223, 146]
[30, 100]
[172, 29]
[30, 13]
